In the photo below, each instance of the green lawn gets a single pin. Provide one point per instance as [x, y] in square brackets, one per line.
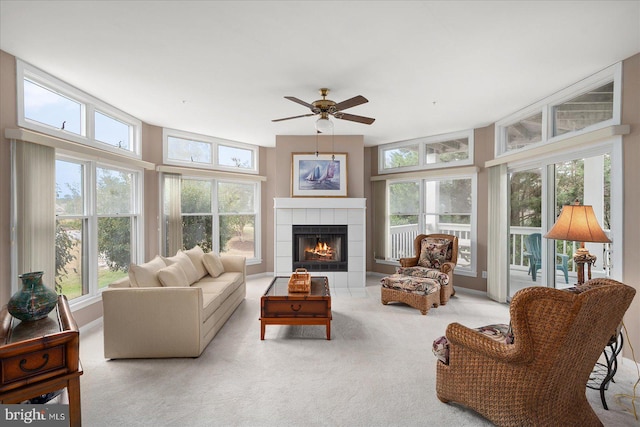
[72, 284]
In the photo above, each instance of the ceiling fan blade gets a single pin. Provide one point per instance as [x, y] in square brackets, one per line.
[294, 117]
[354, 118]
[299, 101]
[356, 100]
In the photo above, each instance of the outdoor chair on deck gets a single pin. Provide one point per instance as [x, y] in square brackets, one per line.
[532, 244]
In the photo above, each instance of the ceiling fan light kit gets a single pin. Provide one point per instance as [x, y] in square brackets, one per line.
[326, 107]
[324, 125]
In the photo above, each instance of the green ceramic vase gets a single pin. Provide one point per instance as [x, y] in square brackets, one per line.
[34, 301]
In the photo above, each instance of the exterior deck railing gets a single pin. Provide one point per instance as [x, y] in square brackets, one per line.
[402, 238]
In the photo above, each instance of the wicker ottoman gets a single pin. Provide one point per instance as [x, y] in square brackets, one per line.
[418, 292]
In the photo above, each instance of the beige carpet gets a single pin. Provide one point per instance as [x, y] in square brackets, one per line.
[377, 370]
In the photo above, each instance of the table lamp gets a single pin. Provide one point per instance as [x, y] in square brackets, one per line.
[578, 223]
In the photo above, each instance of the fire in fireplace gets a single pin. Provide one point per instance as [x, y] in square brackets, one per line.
[320, 247]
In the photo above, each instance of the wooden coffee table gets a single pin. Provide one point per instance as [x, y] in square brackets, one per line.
[280, 307]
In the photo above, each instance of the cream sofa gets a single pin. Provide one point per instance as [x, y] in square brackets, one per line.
[172, 307]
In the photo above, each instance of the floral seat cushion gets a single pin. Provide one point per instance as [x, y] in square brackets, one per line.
[498, 332]
[415, 285]
[429, 273]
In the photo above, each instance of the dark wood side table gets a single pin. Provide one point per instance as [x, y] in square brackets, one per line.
[41, 357]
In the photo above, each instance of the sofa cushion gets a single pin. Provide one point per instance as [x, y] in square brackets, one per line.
[146, 274]
[213, 264]
[195, 254]
[434, 252]
[173, 275]
[215, 290]
[186, 264]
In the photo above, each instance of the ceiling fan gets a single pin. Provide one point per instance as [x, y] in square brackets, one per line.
[325, 107]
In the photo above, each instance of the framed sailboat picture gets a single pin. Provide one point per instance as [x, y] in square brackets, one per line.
[324, 175]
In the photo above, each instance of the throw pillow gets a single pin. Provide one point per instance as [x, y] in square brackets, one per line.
[186, 264]
[434, 252]
[145, 275]
[195, 255]
[213, 264]
[173, 275]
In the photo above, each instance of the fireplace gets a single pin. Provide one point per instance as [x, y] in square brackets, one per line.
[320, 247]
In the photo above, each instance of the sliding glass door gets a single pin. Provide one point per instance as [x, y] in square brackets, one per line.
[537, 194]
[525, 220]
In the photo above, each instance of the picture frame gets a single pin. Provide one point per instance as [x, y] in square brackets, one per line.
[322, 175]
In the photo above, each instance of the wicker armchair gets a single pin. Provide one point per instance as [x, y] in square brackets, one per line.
[408, 264]
[540, 379]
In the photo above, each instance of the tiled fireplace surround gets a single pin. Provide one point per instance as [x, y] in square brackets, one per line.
[313, 211]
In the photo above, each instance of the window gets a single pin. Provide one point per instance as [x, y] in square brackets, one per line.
[197, 214]
[439, 151]
[432, 205]
[524, 132]
[590, 104]
[112, 131]
[50, 106]
[237, 218]
[95, 242]
[186, 150]
[235, 157]
[218, 215]
[589, 108]
[44, 106]
[401, 157]
[200, 151]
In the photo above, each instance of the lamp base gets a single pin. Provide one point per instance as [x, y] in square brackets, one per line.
[580, 258]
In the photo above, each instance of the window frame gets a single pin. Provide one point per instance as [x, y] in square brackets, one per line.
[215, 214]
[90, 216]
[546, 105]
[215, 143]
[471, 270]
[422, 143]
[89, 105]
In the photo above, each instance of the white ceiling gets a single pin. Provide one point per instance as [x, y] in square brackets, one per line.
[222, 68]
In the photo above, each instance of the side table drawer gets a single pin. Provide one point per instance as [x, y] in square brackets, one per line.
[32, 364]
[294, 308]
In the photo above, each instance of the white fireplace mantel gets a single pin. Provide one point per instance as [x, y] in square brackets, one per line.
[319, 203]
[325, 210]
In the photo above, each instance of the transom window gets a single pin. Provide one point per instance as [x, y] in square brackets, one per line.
[589, 108]
[590, 104]
[52, 107]
[192, 150]
[439, 151]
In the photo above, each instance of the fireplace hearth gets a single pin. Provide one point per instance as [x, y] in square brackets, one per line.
[320, 247]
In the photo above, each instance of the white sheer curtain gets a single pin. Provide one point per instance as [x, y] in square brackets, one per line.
[498, 237]
[174, 212]
[34, 198]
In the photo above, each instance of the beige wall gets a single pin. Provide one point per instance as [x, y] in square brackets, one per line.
[286, 145]
[631, 150]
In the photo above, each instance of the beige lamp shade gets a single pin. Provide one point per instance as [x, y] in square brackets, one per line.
[577, 223]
